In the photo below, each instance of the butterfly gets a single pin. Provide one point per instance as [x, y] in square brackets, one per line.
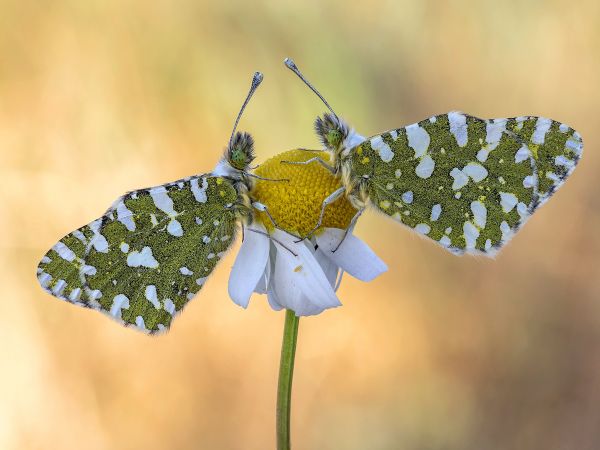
[151, 252]
[467, 183]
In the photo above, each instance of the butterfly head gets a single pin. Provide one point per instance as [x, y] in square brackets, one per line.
[240, 151]
[332, 132]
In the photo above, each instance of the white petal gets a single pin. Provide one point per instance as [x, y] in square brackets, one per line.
[299, 281]
[264, 283]
[273, 299]
[353, 256]
[330, 269]
[249, 266]
[261, 286]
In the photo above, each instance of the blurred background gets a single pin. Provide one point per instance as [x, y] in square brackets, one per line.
[100, 97]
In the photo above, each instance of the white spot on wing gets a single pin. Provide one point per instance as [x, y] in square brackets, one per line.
[445, 241]
[125, 216]
[169, 306]
[79, 235]
[385, 152]
[199, 192]
[436, 210]
[482, 155]
[99, 243]
[488, 244]
[174, 228]
[529, 181]
[493, 132]
[458, 127]
[44, 279]
[407, 197]
[119, 303]
[522, 154]
[151, 295]
[479, 213]
[139, 321]
[460, 178]
[422, 228]
[64, 252]
[425, 167]
[476, 171]
[541, 128]
[508, 201]
[93, 295]
[561, 160]
[87, 270]
[506, 232]
[185, 271]
[143, 258]
[523, 211]
[552, 176]
[418, 139]
[471, 233]
[59, 287]
[162, 200]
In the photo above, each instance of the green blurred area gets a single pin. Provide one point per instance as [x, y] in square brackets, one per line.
[100, 97]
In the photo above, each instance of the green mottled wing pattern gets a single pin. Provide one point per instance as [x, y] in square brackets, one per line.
[148, 255]
[465, 182]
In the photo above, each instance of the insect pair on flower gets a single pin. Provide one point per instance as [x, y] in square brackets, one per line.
[467, 183]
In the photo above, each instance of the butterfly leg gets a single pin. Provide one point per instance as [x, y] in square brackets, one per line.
[263, 208]
[267, 179]
[311, 160]
[350, 227]
[309, 150]
[268, 236]
[328, 200]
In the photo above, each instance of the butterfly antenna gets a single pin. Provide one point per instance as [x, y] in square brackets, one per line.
[256, 80]
[289, 62]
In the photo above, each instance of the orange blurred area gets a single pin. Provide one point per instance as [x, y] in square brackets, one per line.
[101, 97]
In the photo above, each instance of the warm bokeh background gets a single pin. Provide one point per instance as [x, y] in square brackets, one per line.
[99, 97]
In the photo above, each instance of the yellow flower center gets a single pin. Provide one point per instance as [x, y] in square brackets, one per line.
[296, 205]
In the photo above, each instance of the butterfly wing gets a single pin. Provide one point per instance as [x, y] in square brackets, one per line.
[465, 182]
[148, 255]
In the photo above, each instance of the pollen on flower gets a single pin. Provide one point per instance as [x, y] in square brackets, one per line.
[296, 205]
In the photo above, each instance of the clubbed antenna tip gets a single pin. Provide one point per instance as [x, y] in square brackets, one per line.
[290, 64]
[256, 80]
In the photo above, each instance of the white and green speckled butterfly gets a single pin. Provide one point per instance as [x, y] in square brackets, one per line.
[151, 252]
[467, 183]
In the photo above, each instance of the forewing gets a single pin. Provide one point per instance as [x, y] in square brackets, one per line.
[148, 255]
[465, 182]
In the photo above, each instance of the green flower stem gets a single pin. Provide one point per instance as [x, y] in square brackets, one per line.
[286, 373]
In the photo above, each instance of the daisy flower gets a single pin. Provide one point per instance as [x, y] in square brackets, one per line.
[301, 275]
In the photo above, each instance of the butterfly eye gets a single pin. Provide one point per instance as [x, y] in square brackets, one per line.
[238, 158]
[334, 138]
